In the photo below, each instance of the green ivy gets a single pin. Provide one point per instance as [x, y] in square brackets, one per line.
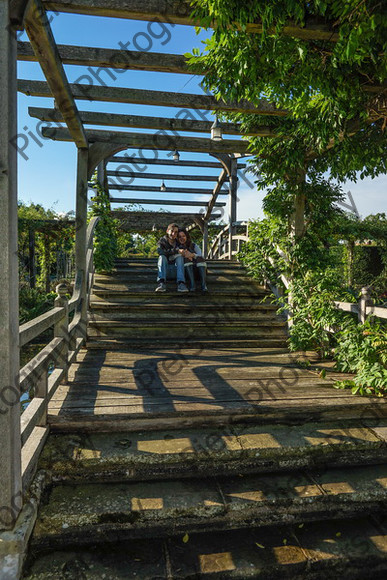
[362, 349]
[315, 266]
[33, 302]
[105, 237]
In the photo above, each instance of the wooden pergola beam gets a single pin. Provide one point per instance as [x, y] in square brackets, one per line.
[151, 188]
[152, 161]
[94, 92]
[216, 192]
[147, 220]
[162, 202]
[43, 43]
[17, 10]
[152, 141]
[130, 175]
[179, 12]
[192, 125]
[113, 58]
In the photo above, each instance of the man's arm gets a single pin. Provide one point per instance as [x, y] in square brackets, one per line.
[165, 249]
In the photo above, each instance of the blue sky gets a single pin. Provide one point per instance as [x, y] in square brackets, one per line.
[48, 175]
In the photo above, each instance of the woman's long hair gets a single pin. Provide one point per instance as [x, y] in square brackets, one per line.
[188, 243]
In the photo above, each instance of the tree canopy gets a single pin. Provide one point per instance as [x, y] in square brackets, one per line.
[333, 88]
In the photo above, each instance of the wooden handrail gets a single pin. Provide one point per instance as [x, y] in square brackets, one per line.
[61, 351]
[37, 326]
[363, 308]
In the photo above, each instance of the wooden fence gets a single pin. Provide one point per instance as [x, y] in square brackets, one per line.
[49, 368]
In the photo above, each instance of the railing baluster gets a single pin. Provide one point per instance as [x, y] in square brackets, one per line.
[41, 392]
[364, 302]
[61, 329]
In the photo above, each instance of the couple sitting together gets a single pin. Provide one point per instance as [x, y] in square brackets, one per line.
[178, 257]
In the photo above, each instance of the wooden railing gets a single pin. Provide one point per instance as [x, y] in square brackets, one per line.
[49, 368]
[227, 245]
[364, 307]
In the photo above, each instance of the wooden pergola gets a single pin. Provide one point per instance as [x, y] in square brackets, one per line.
[100, 148]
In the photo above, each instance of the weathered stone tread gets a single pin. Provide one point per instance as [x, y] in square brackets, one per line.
[226, 449]
[74, 514]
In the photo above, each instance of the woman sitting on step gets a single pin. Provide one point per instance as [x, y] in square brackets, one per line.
[194, 262]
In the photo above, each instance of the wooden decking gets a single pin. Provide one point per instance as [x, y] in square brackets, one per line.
[122, 389]
[176, 360]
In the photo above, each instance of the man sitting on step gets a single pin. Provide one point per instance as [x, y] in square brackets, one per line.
[171, 261]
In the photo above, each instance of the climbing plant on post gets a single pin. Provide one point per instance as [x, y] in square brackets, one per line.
[105, 238]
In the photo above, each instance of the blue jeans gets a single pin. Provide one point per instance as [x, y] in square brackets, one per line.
[170, 271]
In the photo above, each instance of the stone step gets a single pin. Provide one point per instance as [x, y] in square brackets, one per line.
[197, 342]
[143, 268]
[215, 327]
[349, 549]
[175, 316]
[225, 450]
[153, 260]
[149, 278]
[96, 513]
[220, 296]
[255, 409]
[162, 309]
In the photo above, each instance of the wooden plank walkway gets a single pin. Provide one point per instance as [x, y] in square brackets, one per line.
[168, 360]
[122, 389]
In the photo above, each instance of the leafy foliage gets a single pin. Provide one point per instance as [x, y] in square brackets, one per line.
[105, 237]
[33, 302]
[316, 274]
[362, 349]
[331, 88]
[54, 237]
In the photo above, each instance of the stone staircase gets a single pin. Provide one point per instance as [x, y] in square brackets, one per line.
[265, 498]
[237, 501]
[124, 310]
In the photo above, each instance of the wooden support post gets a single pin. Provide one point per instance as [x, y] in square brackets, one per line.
[47, 262]
[101, 173]
[31, 259]
[351, 253]
[41, 392]
[205, 240]
[365, 300]
[61, 328]
[232, 211]
[298, 216]
[10, 448]
[80, 231]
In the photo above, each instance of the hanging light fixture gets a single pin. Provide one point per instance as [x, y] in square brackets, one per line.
[162, 186]
[216, 130]
[176, 156]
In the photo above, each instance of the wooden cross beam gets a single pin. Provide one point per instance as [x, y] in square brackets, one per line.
[154, 141]
[166, 176]
[146, 221]
[128, 60]
[17, 9]
[93, 92]
[191, 124]
[112, 58]
[179, 12]
[180, 190]
[43, 43]
[216, 192]
[152, 161]
[162, 202]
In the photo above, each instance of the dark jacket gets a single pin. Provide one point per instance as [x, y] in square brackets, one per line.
[164, 248]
